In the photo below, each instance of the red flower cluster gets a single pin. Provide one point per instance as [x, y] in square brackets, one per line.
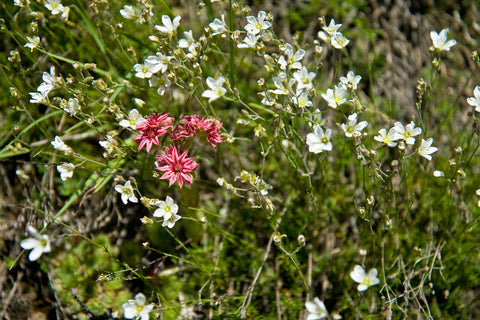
[154, 127]
[193, 125]
[176, 166]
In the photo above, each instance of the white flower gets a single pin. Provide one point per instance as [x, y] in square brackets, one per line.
[352, 127]
[65, 13]
[258, 131]
[316, 309]
[169, 27]
[170, 222]
[438, 174]
[66, 171]
[50, 81]
[365, 280]
[262, 186]
[440, 42]
[304, 78]
[134, 118]
[39, 244]
[166, 208]
[168, 211]
[319, 141]
[137, 308]
[335, 97]
[250, 41]
[388, 138]
[351, 80]
[127, 192]
[291, 59]
[317, 118]
[303, 100]
[72, 107]
[109, 145]
[339, 41]
[218, 26]
[332, 28]
[128, 12]
[38, 97]
[426, 149]
[21, 3]
[146, 70]
[324, 36]
[59, 145]
[161, 82]
[32, 43]
[216, 88]
[279, 82]
[332, 36]
[55, 6]
[475, 100]
[408, 133]
[160, 61]
[256, 25]
[188, 42]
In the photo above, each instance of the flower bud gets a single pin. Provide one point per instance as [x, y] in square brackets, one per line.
[146, 220]
[277, 237]
[301, 240]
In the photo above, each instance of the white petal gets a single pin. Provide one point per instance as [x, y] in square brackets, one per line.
[362, 287]
[32, 231]
[35, 253]
[140, 299]
[473, 102]
[358, 274]
[29, 243]
[129, 310]
[476, 92]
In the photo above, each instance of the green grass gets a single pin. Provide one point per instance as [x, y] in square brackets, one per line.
[238, 250]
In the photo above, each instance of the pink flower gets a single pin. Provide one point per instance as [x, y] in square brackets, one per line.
[213, 136]
[178, 133]
[193, 125]
[155, 126]
[176, 166]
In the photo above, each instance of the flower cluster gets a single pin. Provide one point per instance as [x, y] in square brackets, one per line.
[255, 181]
[406, 135]
[256, 28]
[56, 8]
[338, 95]
[177, 167]
[50, 82]
[332, 36]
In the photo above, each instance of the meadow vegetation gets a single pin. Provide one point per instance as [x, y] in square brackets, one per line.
[228, 159]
